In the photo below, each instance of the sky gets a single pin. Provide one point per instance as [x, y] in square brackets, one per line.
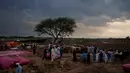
[94, 18]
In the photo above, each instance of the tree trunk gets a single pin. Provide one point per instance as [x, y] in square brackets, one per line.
[55, 40]
[61, 41]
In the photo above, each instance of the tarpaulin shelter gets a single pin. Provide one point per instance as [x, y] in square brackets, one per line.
[126, 68]
[10, 62]
[3, 42]
[13, 44]
[7, 62]
[3, 45]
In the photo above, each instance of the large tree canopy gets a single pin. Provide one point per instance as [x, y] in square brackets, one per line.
[57, 27]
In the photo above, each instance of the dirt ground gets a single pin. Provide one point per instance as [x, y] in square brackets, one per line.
[66, 66]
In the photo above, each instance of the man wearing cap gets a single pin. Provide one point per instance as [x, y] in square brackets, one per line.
[19, 68]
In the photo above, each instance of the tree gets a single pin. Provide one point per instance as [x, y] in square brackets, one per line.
[56, 28]
[30, 37]
[127, 37]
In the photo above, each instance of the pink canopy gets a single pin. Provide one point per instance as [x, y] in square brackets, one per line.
[126, 67]
[10, 62]
[7, 62]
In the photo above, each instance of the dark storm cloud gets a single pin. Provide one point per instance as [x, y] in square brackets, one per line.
[15, 13]
[11, 23]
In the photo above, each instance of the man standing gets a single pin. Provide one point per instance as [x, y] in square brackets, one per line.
[97, 57]
[44, 54]
[88, 58]
[109, 56]
[101, 56]
[74, 55]
[84, 56]
[53, 54]
[105, 57]
[19, 68]
[91, 58]
[61, 52]
[34, 48]
[49, 50]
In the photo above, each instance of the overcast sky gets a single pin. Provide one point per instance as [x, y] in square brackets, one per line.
[95, 18]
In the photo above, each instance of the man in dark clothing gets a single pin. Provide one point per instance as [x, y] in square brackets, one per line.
[44, 54]
[61, 52]
[127, 53]
[88, 58]
[95, 49]
[0, 47]
[34, 49]
[84, 57]
[101, 57]
[124, 54]
[74, 56]
[109, 56]
[6, 47]
[50, 48]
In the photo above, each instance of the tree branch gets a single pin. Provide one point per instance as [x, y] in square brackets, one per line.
[53, 33]
[49, 33]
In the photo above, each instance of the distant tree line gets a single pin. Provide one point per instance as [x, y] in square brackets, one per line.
[10, 37]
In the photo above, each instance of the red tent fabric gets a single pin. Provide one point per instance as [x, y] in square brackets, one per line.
[7, 62]
[126, 67]
[10, 62]
[14, 53]
[23, 61]
[13, 44]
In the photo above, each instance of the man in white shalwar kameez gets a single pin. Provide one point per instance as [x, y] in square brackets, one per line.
[58, 52]
[91, 58]
[88, 48]
[53, 54]
[97, 57]
[92, 49]
[111, 56]
[105, 57]
[103, 54]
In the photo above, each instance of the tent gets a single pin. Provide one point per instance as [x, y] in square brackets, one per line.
[8, 62]
[13, 44]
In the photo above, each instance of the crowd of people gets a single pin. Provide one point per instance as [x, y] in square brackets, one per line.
[52, 52]
[90, 54]
[94, 54]
[3, 47]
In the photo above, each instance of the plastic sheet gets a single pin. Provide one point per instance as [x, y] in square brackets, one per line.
[126, 67]
[23, 61]
[7, 62]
